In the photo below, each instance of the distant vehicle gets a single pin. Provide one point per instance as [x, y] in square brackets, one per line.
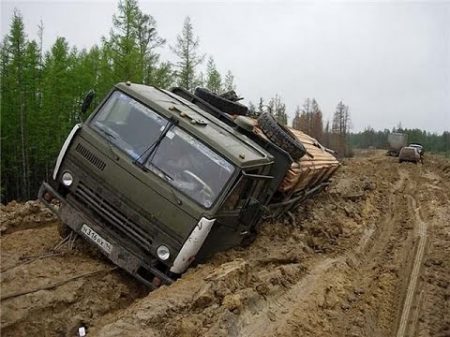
[409, 153]
[396, 141]
[419, 147]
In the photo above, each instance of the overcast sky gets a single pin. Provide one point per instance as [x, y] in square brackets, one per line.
[389, 61]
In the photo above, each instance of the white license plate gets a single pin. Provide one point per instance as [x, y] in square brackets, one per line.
[91, 234]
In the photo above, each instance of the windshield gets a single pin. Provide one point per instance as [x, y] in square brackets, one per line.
[180, 159]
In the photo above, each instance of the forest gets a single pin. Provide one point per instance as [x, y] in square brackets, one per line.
[42, 92]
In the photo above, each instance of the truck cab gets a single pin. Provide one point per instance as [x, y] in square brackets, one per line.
[158, 183]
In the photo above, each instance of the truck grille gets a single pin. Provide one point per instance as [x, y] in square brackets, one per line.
[117, 221]
[92, 158]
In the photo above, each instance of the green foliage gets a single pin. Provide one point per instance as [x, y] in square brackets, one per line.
[132, 45]
[213, 78]
[432, 142]
[15, 111]
[41, 93]
[228, 83]
[188, 56]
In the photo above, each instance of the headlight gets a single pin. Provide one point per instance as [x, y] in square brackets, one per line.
[163, 252]
[67, 179]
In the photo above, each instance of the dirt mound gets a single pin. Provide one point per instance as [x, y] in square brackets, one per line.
[16, 216]
[343, 264]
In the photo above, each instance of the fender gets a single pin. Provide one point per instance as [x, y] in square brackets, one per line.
[64, 148]
[192, 245]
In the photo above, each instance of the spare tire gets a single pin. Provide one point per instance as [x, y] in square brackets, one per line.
[223, 104]
[281, 136]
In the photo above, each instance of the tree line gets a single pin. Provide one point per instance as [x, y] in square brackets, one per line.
[42, 91]
[432, 142]
[336, 134]
[309, 119]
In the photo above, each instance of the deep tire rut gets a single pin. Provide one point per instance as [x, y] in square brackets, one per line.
[415, 272]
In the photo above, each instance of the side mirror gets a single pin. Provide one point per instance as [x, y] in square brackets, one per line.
[87, 101]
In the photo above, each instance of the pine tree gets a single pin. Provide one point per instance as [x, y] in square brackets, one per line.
[32, 74]
[316, 121]
[15, 163]
[306, 117]
[162, 76]
[213, 78]
[278, 109]
[340, 129]
[189, 58]
[228, 83]
[58, 99]
[296, 121]
[326, 137]
[260, 106]
[125, 52]
[106, 75]
[252, 112]
[132, 43]
[309, 119]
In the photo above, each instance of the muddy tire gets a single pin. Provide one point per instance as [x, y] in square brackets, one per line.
[281, 136]
[223, 104]
[63, 230]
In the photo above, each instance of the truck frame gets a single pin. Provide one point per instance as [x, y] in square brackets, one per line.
[159, 180]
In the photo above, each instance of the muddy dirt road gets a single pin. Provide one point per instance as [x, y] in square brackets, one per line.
[369, 258]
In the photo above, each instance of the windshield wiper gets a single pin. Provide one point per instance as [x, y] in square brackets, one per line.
[108, 134]
[152, 147]
[165, 174]
[151, 150]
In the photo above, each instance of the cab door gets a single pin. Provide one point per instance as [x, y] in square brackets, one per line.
[238, 215]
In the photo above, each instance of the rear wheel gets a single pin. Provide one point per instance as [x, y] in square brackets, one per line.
[281, 136]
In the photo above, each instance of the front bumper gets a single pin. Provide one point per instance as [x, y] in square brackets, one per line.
[119, 255]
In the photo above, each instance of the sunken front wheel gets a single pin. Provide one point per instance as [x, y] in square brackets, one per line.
[281, 136]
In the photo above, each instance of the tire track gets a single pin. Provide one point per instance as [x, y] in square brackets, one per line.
[415, 272]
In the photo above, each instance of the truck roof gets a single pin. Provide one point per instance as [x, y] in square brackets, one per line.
[238, 148]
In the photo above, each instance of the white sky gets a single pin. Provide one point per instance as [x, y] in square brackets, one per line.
[389, 61]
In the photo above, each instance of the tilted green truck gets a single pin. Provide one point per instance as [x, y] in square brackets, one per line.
[158, 179]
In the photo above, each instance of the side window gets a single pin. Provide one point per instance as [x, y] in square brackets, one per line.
[233, 199]
[241, 192]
